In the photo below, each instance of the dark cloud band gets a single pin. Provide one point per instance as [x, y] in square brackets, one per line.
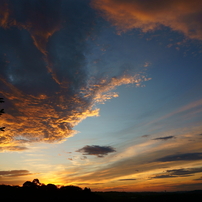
[182, 157]
[127, 179]
[14, 173]
[179, 173]
[164, 138]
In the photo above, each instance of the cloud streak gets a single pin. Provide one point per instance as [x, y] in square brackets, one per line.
[14, 173]
[179, 173]
[142, 160]
[198, 179]
[164, 138]
[127, 179]
[182, 157]
[180, 15]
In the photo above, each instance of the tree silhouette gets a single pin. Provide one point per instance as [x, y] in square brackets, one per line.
[1, 112]
[33, 191]
[29, 184]
[36, 181]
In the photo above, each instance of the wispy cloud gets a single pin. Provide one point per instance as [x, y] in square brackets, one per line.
[145, 135]
[127, 179]
[14, 173]
[13, 148]
[198, 179]
[146, 159]
[164, 138]
[184, 172]
[162, 176]
[182, 157]
[182, 16]
[179, 173]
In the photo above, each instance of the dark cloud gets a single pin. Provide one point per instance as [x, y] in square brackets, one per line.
[13, 148]
[96, 150]
[145, 135]
[14, 173]
[184, 172]
[45, 77]
[127, 179]
[162, 176]
[179, 173]
[183, 16]
[181, 157]
[164, 138]
[198, 179]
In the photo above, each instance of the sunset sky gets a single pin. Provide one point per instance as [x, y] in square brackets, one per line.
[105, 94]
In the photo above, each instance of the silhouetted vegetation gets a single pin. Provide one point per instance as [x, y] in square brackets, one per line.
[36, 191]
[1, 112]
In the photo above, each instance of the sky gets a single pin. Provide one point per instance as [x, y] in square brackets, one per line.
[102, 94]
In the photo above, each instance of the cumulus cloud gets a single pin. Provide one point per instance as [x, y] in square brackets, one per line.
[181, 157]
[164, 138]
[45, 77]
[96, 150]
[180, 15]
[14, 173]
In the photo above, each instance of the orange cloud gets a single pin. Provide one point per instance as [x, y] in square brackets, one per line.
[180, 15]
[145, 160]
[102, 89]
[52, 118]
[44, 78]
[4, 14]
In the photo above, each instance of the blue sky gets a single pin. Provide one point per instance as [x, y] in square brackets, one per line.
[94, 98]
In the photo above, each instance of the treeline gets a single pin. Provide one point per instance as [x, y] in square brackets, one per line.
[36, 191]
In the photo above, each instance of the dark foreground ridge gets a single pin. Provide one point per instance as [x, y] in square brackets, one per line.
[188, 196]
[36, 191]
